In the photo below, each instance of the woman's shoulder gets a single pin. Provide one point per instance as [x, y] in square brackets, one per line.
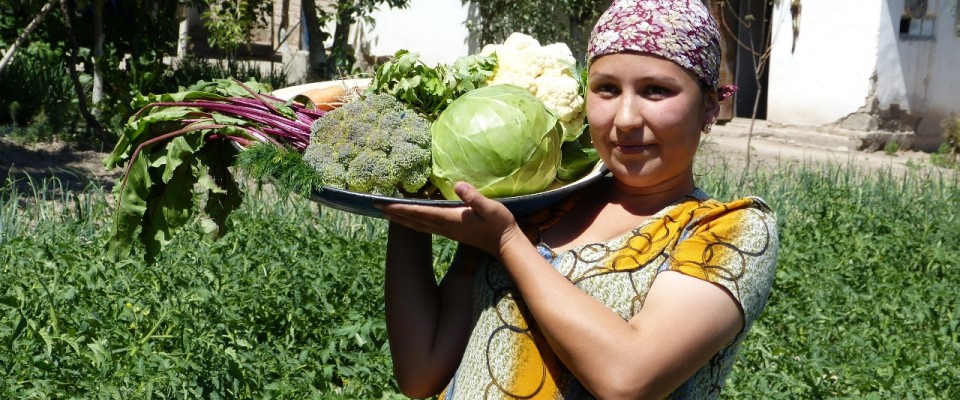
[733, 243]
[705, 208]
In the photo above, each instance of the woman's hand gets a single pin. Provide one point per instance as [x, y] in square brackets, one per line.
[482, 223]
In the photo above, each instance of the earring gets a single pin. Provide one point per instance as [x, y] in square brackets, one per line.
[708, 127]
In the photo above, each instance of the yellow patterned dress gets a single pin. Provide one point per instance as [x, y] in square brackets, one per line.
[733, 244]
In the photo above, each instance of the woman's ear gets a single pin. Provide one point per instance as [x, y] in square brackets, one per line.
[711, 108]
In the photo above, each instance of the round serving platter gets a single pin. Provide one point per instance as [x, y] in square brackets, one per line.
[363, 203]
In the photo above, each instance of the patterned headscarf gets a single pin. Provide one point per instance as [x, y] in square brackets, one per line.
[682, 31]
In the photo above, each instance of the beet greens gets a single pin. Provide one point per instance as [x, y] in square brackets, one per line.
[179, 146]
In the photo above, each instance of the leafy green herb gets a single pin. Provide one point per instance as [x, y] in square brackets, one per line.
[180, 146]
[430, 89]
[282, 165]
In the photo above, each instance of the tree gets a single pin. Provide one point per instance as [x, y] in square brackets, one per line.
[34, 23]
[74, 51]
[549, 21]
[329, 63]
[757, 43]
[230, 22]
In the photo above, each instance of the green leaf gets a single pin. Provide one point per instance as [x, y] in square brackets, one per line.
[130, 208]
[179, 150]
[223, 195]
[576, 161]
[170, 207]
[163, 185]
[229, 120]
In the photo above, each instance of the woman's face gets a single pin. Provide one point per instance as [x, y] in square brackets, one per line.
[645, 115]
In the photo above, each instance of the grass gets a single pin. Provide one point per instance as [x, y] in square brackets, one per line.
[289, 304]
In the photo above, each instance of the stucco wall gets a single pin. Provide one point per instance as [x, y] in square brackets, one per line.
[852, 68]
[828, 75]
[920, 76]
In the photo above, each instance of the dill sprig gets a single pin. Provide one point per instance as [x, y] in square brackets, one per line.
[281, 165]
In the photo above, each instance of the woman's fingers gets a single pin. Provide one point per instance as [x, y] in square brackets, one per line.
[490, 211]
[481, 223]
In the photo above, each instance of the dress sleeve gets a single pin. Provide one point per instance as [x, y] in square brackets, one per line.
[735, 246]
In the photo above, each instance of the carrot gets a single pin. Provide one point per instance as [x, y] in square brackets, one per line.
[326, 98]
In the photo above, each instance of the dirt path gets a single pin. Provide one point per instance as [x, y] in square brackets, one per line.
[774, 145]
[773, 151]
[73, 170]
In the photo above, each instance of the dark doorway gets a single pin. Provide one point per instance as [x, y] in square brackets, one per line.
[745, 27]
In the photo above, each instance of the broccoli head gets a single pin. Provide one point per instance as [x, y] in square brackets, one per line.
[372, 145]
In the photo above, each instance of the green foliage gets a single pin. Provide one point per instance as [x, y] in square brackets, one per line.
[430, 89]
[944, 157]
[891, 148]
[36, 96]
[864, 303]
[287, 306]
[289, 303]
[549, 21]
[230, 22]
[190, 69]
[179, 147]
[282, 166]
[949, 151]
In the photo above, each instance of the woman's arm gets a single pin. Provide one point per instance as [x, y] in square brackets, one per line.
[427, 324]
[683, 323]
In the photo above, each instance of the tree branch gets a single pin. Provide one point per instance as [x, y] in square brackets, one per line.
[26, 32]
[91, 120]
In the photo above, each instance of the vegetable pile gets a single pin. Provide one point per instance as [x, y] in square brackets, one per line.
[183, 140]
[549, 72]
[508, 120]
[501, 139]
[373, 145]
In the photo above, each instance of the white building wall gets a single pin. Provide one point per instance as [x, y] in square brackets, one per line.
[921, 75]
[434, 28]
[828, 75]
[851, 61]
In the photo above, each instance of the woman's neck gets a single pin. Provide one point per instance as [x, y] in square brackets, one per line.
[646, 201]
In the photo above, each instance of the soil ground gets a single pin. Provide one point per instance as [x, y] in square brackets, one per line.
[28, 165]
[75, 169]
[770, 145]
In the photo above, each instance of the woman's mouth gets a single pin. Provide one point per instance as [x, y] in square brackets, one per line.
[634, 148]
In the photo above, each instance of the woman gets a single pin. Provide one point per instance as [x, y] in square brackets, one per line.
[640, 286]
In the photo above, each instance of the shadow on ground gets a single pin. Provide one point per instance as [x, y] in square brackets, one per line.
[55, 166]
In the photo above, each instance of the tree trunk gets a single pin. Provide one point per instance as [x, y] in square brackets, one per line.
[183, 27]
[91, 120]
[317, 57]
[340, 49]
[26, 32]
[98, 37]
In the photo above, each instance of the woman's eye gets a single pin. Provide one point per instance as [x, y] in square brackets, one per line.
[658, 91]
[606, 89]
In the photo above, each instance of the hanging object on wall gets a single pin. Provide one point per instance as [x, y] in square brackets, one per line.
[795, 8]
[915, 9]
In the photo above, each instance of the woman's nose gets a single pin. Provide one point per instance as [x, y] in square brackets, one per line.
[628, 115]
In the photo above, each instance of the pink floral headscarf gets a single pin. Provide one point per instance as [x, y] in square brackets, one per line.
[682, 31]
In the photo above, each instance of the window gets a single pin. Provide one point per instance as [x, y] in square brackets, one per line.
[917, 28]
[917, 22]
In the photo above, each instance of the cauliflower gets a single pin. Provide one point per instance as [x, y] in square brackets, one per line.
[548, 72]
[372, 145]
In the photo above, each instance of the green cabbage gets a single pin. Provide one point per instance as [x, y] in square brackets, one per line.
[500, 139]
